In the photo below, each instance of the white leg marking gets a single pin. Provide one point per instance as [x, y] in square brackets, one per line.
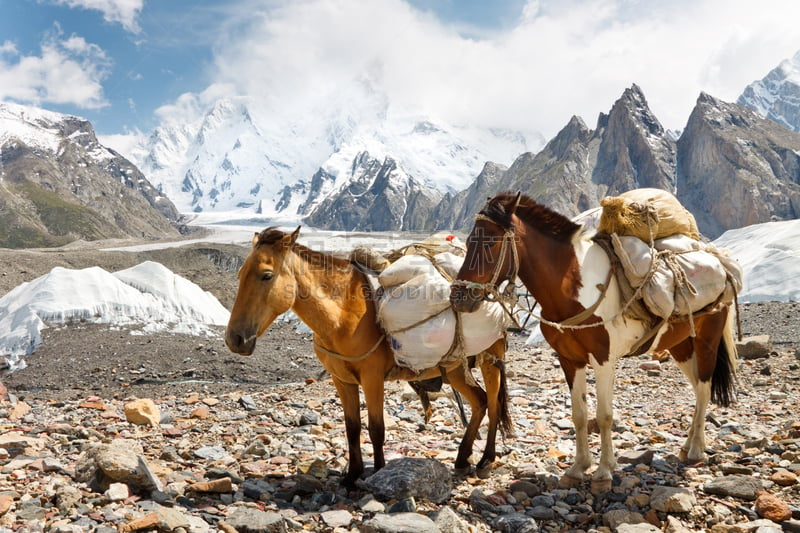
[605, 418]
[695, 445]
[583, 459]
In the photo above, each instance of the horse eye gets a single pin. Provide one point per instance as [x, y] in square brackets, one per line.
[267, 275]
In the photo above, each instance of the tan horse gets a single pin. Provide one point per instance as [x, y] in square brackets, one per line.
[333, 298]
[568, 274]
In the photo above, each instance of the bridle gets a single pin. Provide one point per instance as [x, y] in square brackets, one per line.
[490, 290]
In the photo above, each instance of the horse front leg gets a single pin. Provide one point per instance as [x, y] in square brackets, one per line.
[348, 395]
[601, 480]
[374, 397]
[583, 459]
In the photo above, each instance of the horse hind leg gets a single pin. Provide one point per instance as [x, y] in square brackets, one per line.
[692, 356]
[693, 450]
[708, 363]
[494, 379]
[476, 397]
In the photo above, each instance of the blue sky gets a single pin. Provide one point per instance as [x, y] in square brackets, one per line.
[126, 64]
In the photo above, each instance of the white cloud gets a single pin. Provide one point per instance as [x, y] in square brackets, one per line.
[68, 71]
[563, 58]
[123, 12]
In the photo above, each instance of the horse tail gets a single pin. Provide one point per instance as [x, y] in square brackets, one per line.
[723, 381]
[505, 423]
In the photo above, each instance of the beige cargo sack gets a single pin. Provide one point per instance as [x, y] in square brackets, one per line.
[638, 211]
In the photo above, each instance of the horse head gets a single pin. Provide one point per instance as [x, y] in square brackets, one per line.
[491, 254]
[267, 289]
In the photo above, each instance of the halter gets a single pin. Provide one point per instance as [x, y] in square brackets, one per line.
[508, 295]
[491, 290]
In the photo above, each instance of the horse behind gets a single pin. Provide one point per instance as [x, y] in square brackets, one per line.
[570, 275]
[332, 297]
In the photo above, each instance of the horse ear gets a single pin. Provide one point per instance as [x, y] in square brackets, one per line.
[292, 237]
[255, 239]
[516, 203]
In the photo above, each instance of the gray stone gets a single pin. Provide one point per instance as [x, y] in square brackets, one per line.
[400, 523]
[211, 453]
[617, 517]
[736, 486]
[249, 520]
[636, 457]
[515, 523]
[672, 499]
[67, 497]
[643, 527]
[530, 489]
[121, 461]
[755, 347]
[248, 403]
[541, 512]
[448, 521]
[337, 518]
[411, 477]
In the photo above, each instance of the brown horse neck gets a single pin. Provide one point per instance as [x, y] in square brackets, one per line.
[331, 301]
[549, 269]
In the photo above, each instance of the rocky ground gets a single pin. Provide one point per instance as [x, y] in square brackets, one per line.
[257, 444]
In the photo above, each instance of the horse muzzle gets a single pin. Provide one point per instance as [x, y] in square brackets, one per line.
[243, 344]
[465, 297]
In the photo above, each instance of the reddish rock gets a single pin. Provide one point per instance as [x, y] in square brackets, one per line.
[5, 503]
[772, 508]
[784, 478]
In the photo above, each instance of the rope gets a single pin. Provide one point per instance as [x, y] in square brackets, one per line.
[346, 358]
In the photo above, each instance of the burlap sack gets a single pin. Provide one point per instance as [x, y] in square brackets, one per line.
[642, 211]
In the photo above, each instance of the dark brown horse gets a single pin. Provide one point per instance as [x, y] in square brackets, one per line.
[333, 298]
[566, 271]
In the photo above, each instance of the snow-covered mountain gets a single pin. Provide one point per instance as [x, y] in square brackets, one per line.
[58, 183]
[238, 154]
[777, 95]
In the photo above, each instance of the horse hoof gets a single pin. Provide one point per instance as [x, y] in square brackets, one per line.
[462, 471]
[483, 472]
[569, 482]
[683, 457]
[599, 486]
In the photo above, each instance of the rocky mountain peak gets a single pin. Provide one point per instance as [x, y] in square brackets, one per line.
[777, 95]
[728, 147]
[634, 151]
[61, 184]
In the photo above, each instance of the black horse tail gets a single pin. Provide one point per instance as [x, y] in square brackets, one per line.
[723, 381]
[505, 422]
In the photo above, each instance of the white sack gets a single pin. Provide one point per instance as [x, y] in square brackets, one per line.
[635, 256]
[705, 272]
[405, 268]
[704, 267]
[483, 327]
[413, 301]
[417, 316]
[423, 346]
[678, 243]
[450, 263]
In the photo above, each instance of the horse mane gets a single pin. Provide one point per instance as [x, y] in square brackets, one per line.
[544, 219]
[272, 234]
